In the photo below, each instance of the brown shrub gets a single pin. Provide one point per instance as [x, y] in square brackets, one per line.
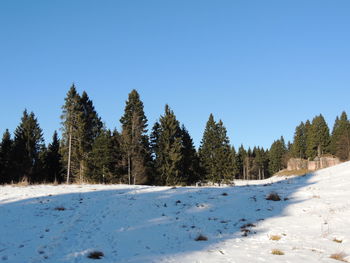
[273, 196]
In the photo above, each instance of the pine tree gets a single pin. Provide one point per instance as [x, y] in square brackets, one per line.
[54, 161]
[5, 158]
[299, 143]
[318, 138]
[135, 139]
[167, 148]
[241, 156]
[276, 156]
[215, 152]
[81, 126]
[340, 140]
[28, 142]
[71, 130]
[190, 161]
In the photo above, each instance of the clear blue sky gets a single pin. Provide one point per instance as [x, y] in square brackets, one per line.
[260, 66]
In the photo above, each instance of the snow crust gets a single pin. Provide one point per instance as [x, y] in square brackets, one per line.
[64, 223]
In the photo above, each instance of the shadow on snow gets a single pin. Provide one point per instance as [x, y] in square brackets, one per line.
[137, 224]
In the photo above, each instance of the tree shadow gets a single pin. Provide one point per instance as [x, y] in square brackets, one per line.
[137, 224]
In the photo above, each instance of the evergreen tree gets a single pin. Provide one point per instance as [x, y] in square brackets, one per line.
[240, 158]
[100, 159]
[81, 126]
[71, 134]
[54, 161]
[168, 149]
[190, 161]
[28, 142]
[340, 140]
[135, 139]
[299, 143]
[6, 163]
[215, 152]
[318, 138]
[276, 156]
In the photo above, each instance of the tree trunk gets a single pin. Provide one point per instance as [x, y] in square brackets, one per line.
[69, 153]
[129, 168]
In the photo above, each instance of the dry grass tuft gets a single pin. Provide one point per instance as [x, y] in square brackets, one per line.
[273, 196]
[277, 252]
[275, 237]
[293, 172]
[201, 238]
[95, 255]
[339, 256]
[337, 240]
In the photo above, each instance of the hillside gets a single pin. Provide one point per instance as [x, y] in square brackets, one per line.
[160, 224]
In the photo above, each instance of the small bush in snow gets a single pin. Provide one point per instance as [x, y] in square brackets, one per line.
[339, 256]
[277, 252]
[201, 238]
[273, 196]
[275, 237]
[337, 240]
[95, 255]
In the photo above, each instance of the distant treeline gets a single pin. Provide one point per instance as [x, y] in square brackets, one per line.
[89, 152]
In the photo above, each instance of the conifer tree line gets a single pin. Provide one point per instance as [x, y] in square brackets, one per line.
[88, 152]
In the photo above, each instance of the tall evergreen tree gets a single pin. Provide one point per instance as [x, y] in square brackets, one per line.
[340, 140]
[135, 139]
[215, 152]
[299, 143]
[28, 142]
[81, 126]
[5, 158]
[54, 161]
[167, 146]
[189, 161]
[276, 156]
[318, 138]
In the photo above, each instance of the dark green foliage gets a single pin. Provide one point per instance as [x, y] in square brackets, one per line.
[276, 156]
[318, 139]
[340, 140]
[28, 142]
[166, 143]
[260, 164]
[190, 160]
[81, 126]
[135, 140]
[215, 152]
[100, 159]
[300, 140]
[53, 161]
[6, 162]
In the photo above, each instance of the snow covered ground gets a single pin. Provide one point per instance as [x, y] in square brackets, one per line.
[160, 224]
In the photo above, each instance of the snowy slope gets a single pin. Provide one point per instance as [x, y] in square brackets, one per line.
[159, 224]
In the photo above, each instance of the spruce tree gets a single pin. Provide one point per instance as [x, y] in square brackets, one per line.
[54, 161]
[215, 152]
[276, 156]
[135, 139]
[189, 161]
[340, 140]
[318, 138]
[5, 158]
[28, 142]
[299, 143]
[71, 134]
[167, 146]
[81, 126]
